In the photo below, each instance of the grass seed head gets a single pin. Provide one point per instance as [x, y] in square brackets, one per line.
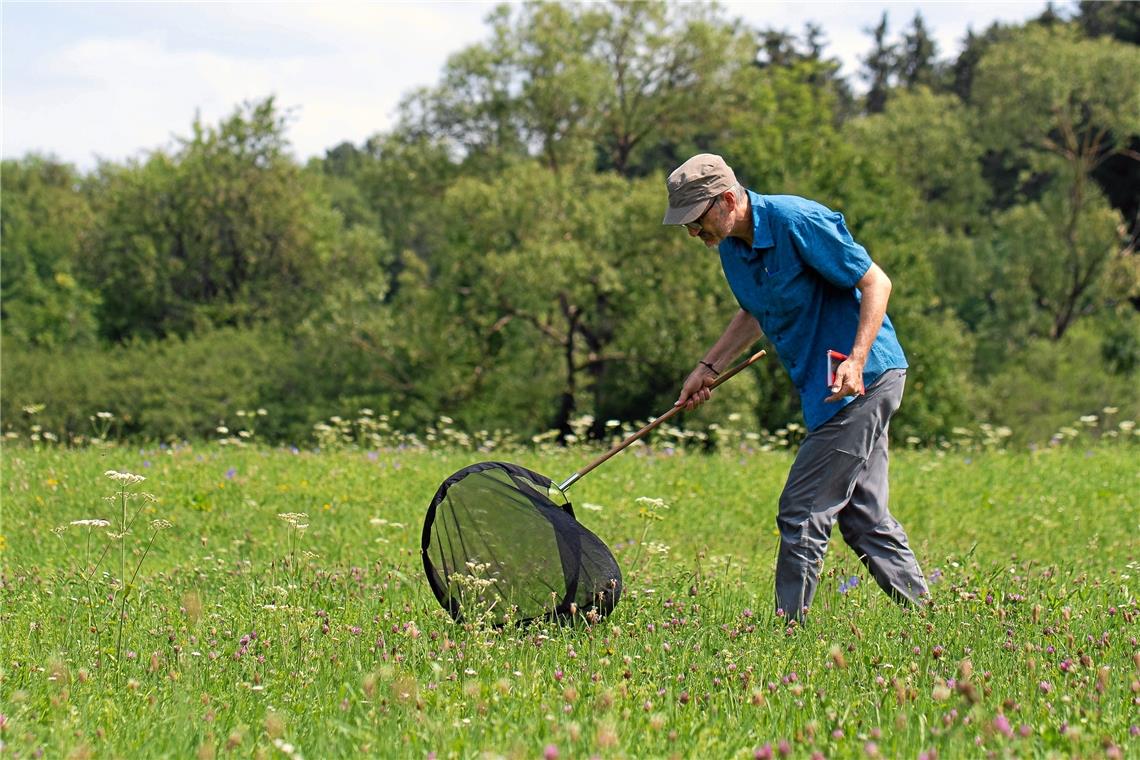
[274, 725]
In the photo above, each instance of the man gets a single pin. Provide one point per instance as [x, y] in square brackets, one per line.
[800, 278]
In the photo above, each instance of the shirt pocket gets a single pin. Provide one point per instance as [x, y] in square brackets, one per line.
[785, 283]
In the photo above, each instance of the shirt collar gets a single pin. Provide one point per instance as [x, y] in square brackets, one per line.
[761, 227]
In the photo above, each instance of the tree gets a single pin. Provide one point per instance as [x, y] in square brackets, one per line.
[223, 232]
[928, 142]
[916, 61]
[584, 84]
[960, 79]
[671, 74]
[1067, 105]
[1113, 18]
[43, 221]
[584, 273]
[555, 298]
[784, 50]
[473, 110]
[1057, 260]
[777, 48]
[879, 66]
[765, 139]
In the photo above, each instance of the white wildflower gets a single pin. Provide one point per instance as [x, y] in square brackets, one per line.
[91, 523]
[287, 749]
[126, 478]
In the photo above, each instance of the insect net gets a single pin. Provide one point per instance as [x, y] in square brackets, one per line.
[501, 541]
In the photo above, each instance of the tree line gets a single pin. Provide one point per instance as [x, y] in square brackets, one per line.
[497, 255]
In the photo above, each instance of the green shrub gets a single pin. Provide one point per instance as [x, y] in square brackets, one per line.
[1050, 384]
[154, 390]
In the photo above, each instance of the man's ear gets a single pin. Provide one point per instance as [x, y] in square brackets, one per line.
[730, 198]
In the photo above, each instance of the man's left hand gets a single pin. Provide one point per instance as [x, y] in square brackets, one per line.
[848, 380]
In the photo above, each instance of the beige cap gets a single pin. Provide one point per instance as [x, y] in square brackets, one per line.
[693, 183]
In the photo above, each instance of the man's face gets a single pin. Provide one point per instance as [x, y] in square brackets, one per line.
[712, 226]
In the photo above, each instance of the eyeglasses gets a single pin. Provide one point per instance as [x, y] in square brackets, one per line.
[698, 224]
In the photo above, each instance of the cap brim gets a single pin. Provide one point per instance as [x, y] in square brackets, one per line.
[684, 214]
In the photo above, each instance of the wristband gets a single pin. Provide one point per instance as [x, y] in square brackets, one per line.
[711, 368]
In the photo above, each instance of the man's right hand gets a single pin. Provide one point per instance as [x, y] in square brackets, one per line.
[696, 389]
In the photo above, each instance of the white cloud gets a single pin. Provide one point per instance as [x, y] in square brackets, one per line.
[115, 96]
[139, 78]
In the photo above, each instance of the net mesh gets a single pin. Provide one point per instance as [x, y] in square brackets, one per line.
[501, 541]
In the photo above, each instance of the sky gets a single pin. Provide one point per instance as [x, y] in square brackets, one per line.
[89, 81]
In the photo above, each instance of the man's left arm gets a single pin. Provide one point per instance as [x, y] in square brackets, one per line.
[875, 289]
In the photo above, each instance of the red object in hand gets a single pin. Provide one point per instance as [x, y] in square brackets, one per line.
[834, 359]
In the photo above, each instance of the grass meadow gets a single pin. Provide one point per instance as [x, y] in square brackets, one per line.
[218, 626]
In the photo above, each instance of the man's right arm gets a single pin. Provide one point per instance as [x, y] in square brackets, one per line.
[741, 333]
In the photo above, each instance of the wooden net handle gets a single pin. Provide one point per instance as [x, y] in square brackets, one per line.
[722, 378]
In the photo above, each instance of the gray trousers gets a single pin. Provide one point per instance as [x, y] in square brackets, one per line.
[840, 473]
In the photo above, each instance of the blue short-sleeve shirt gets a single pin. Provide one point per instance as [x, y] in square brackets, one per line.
[798, 280]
